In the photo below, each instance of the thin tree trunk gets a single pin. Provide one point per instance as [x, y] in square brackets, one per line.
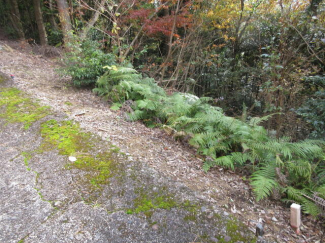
[40, 23]
[171, 40]
[92, 21]
[15, 18]
[64, 20]
[51, 17]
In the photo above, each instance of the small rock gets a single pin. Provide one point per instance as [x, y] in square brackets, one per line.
[274, 219]
[227, 238]
[213, 239]
[155, 227]
[57, 204]
[203, 209]
[233, 209]
[259, 230]
[225, 213]
[78, 236]
[267, 220]
[72, 158]
[210, 216]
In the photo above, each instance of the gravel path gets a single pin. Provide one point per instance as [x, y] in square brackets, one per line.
[54, 195]
[43, 200]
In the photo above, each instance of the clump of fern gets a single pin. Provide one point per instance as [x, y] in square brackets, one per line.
[124, 83]
[293, 170]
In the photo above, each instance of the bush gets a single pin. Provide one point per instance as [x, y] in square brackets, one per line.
[85, 61]
[313, 110]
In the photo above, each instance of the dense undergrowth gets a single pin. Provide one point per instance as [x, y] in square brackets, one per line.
[278, 167]
[84, 62]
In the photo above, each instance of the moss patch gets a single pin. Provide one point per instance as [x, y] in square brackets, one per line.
[69, 140]
[99, 166]
[148, 200]
[65, 136]
[27, 157]
[68, 103]
[17, 107]
[235, 232]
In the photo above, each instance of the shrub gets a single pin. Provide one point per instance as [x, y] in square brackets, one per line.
[85, 61]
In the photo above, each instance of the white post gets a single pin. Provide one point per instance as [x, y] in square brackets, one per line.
[295, 217]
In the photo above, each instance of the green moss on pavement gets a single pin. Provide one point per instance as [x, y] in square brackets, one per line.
[17, 107]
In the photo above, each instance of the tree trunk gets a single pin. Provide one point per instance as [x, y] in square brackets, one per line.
[171, 41]
[64, 20]
[312, 9]
[51, 16]
[40, 23]
[93, 20]
[15, 18]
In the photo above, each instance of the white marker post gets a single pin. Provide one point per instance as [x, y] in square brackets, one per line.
[295, 217]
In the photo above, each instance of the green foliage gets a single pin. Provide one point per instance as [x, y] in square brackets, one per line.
[106, 84]
[297, 195]
[313, 110]
[264, 181]
[276, 164]
[85, 61]
[55, 36]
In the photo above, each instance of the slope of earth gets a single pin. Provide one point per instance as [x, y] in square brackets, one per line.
[228, 192]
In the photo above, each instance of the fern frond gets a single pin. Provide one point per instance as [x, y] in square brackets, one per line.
[257, 120]
[262, 186]
[267, 170]
[198, 140]
[320, 177]
[299, 196]
[241, 158]
[137, 115]
[225, 161]
[311, 208]
[321, 190]
[306, 149]
[320, 202]
[300, 169]
[147, 104]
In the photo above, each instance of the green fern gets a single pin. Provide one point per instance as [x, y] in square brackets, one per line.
[321, 190]
[257, 120]
[263, 186]
[106, 83]
[225, 161]
[297, 196]
[277, 164]
[264, 180]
